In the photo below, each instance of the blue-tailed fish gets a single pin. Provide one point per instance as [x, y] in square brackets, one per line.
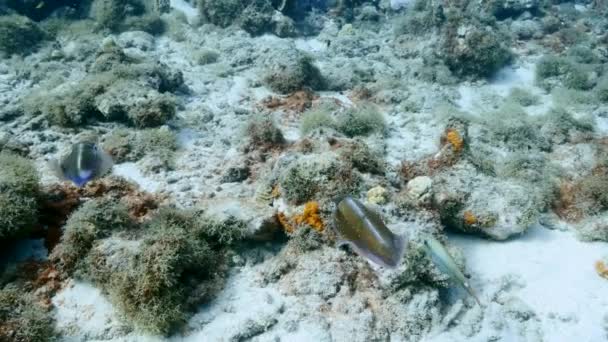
[444, 261]
[85, 162]
[363, 230]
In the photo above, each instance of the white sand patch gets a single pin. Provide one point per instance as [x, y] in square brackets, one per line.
[399, 4]
[84, 314]
[561, 285]
[481, 99]
[310, 45]
[130, 172]
[601, 125]
[411, 136]
[242, 309]
[512, 76]
[190, 11]
[187, 138]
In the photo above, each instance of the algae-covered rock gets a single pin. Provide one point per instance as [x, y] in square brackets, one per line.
[117, 88]
[222, 13]
[594, 228]
[119, 15]
[292, 75]
[125, 145]
[263, 132]
[503, 9]
[157, 272]
[95, 220]
[492, 207]
[319, 177]
[140, 106]
[19, 190]
[473, 49]
[361, 120]
[19, 35]
[254, 16]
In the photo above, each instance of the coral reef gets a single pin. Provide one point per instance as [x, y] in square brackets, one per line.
[377, 195]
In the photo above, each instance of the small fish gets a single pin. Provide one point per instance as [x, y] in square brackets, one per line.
[40, 5]
[85, 162]
[444, 261]
[363, 230]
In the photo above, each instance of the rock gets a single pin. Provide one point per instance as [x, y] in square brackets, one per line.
[594, 228]
[262, 223]
[419, 189]
[236, 174]
[474, 49]
[492, 207]
[283, 26]
[399, 4]
[136, 43]
[503, 9]
[525, 29]
[377, 195]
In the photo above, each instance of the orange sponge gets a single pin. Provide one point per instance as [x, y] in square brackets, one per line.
[310, 216]
[453, 137]
[601, 269]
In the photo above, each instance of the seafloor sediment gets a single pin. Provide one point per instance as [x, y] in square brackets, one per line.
[235, 125]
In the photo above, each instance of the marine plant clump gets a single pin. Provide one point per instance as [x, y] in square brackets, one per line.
[361, 120]
[23, 318]
[601, 90]
[96, 219]
[19, 193]
[155, 272]
[360, 156]
[510, 127]
[294, 75]
[577, 71]
[523, 97]
[322, 177]
[263, 133]
[421, 18]
[121, 15]
[318, 118]
[20, 35]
